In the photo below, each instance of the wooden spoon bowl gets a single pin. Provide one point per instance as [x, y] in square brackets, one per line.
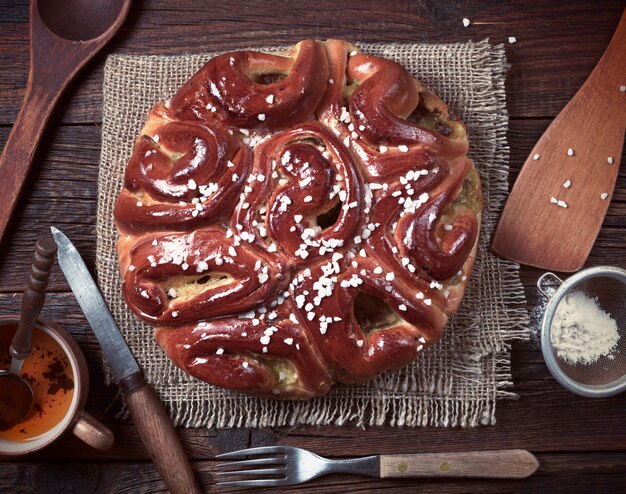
[64, 35]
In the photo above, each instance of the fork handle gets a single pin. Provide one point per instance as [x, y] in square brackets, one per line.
[502, 464]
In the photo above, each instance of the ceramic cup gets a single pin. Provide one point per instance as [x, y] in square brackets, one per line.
[76, 420]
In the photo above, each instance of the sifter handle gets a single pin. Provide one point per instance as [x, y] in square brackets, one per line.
[542, 278]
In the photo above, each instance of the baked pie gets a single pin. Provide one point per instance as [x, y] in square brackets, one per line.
[292, 220]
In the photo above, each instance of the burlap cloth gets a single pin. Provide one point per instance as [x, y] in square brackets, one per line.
[456, 382]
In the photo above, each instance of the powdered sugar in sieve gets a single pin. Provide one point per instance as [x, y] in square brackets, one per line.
[583, 331]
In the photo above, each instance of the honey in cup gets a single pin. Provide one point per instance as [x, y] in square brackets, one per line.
[49, 373]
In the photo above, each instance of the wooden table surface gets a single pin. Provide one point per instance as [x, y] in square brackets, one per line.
[581, 443]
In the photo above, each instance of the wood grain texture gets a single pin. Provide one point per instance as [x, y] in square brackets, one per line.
[557, 205]
[590, 474]
[495, 464]
[557, 44]
[158, 435]
[53, 34]
[579, 442]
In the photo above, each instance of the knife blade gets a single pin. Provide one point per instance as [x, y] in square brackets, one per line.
[154, 424]
[94, 307]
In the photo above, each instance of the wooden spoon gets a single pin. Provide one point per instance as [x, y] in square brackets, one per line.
[16, 395]
[576, 162]
[64, 35]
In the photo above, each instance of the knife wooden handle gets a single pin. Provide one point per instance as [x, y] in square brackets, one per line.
[159, 436]
[503, 464]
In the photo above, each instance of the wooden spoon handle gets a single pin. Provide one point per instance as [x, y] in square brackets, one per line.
[21, 145]
[159, 436]
[34, 295]
[503, 464]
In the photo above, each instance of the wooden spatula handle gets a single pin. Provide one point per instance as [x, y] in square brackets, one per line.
[21, 145]
[503, 464]
[159, 436]
[34, 295]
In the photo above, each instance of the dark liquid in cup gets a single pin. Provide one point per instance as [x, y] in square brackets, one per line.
[49, 372]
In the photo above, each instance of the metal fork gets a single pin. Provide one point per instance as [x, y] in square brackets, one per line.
[275, 466]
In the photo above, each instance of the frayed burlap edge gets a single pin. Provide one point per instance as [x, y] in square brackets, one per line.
[457, 382]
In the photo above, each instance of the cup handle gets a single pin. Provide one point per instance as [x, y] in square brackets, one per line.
[93, 432]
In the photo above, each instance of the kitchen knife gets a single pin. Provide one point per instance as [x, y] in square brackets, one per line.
[154, 425]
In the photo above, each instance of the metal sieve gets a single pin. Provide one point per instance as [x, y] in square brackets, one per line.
[607, 375]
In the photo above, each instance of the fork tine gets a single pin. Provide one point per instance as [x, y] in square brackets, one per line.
[258, 471]
[243, 453]
[250, 463]
[254, 483]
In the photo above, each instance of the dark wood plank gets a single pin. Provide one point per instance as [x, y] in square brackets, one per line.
[581, 443]
[558, 44]
[557, 473]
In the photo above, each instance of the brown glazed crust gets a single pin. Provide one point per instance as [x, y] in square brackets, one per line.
[293, 220]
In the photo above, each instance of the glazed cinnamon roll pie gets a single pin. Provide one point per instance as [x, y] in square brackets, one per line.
[293, 220]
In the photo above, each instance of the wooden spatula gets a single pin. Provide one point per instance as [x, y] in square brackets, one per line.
[561, 196]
